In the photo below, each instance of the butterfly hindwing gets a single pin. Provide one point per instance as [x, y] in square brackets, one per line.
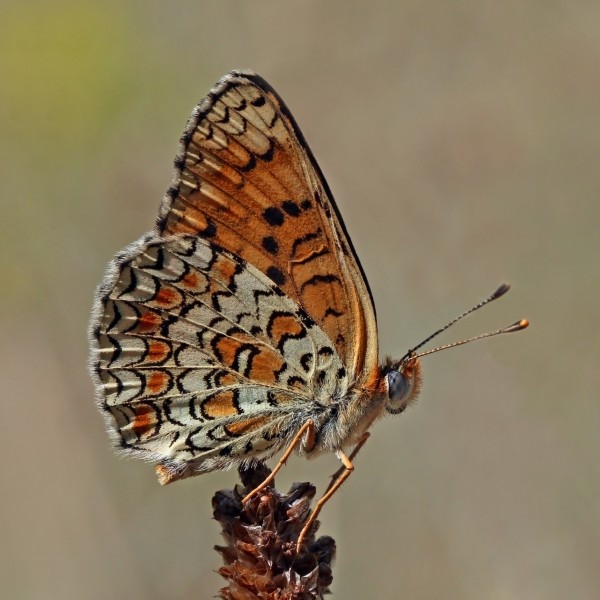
[201, 359]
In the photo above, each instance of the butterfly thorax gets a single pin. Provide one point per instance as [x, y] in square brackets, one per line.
[342, 421]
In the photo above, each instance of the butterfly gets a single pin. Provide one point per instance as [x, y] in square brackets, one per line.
[243, 325]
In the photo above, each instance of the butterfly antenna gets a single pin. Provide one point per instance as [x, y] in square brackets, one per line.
[510, 329]
[499, 292]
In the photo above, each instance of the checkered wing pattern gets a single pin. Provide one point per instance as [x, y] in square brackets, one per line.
[246, 311]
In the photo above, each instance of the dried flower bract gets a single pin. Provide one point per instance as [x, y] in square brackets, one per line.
[260, 552]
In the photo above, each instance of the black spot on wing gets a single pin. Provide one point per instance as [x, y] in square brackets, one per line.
[291, 208]
[173, 192]
[281, 370]
[278, 291]
[313, 235]
[306, 319]
[317, 279]
[273, 216]
[226, 450]
[294, 380]
[276, 275]
[271, 399]
[251, 164]
[210, 230]
[225, 118]
[269, 243]
[267, 156]
[325, 351]
[306, 361]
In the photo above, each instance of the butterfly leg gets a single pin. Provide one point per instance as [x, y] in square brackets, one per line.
[309, 429]
[361, 442]
[335, 485]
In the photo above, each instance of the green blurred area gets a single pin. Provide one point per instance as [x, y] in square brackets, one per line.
[461, 141]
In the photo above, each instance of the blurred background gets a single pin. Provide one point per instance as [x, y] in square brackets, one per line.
[461, 140]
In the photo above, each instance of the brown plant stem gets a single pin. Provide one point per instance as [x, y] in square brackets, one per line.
[260, 555]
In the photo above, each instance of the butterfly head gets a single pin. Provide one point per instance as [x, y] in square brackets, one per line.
[401, 383]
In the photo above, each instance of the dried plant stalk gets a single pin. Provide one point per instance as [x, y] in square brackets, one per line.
[260, 552]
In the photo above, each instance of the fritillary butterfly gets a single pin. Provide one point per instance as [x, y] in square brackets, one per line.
[243, 323]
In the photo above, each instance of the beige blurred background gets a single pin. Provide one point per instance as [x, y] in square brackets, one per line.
[462, 142]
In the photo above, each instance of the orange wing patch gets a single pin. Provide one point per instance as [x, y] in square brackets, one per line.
[239, 428]
[243, 355]
[158, 351]
[144, 420]
[149, 322]
[167, 297]
[284, 326]
[191, 281]
[158, 382]
[222, 404]
[226, 268]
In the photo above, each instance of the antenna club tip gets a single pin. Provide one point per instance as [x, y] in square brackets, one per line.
[500, 291]
[518, 326]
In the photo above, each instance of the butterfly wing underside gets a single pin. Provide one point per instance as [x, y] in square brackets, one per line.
[215, 336]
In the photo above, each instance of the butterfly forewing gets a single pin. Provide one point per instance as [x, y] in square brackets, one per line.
[247, 181]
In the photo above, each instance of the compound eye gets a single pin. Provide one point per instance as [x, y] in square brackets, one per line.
[397, 385]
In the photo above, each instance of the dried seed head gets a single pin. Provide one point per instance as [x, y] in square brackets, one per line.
[260, 552]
